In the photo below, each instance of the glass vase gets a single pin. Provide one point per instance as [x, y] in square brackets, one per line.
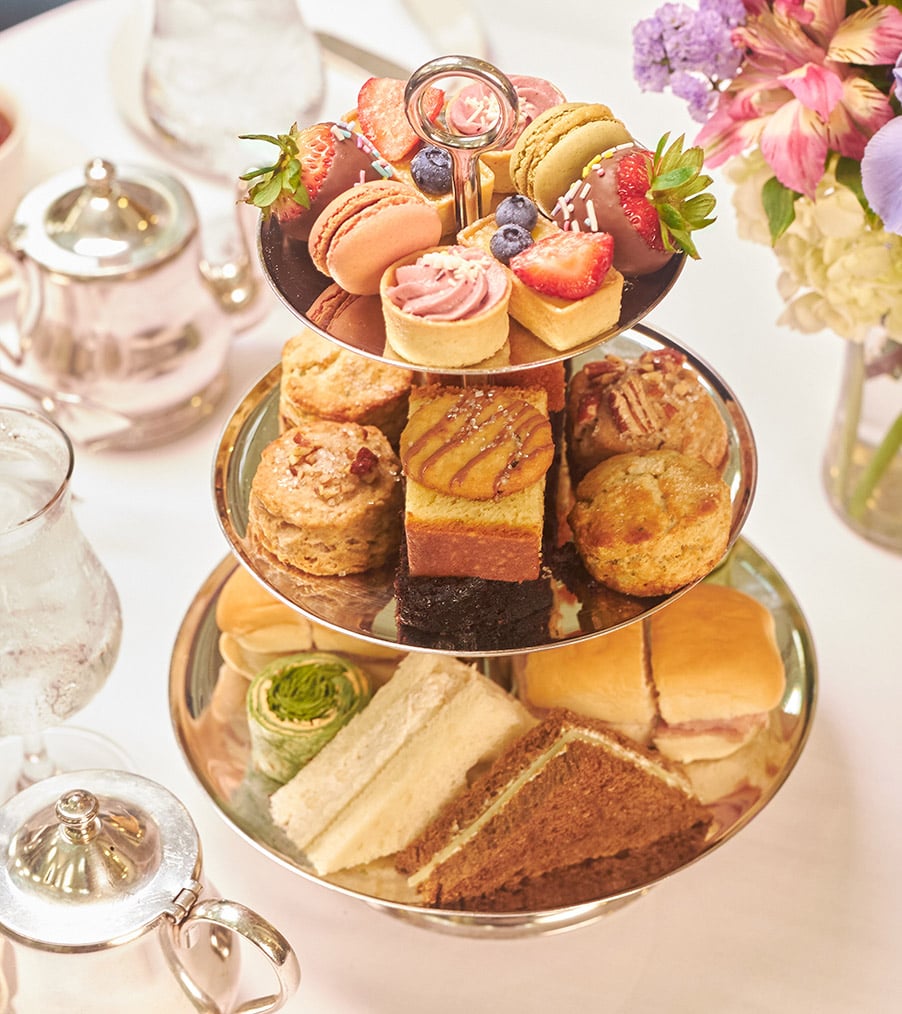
[863, 462]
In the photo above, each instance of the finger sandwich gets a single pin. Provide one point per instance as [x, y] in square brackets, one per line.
[389, 771]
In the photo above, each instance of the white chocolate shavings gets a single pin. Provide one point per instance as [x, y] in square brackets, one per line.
[462, 268]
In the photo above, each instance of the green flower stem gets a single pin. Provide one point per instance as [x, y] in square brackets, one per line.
[878, 464]
[854, 383]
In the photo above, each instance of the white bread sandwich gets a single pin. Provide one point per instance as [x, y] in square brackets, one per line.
[606, 678]
[374, 787]
[717, 671]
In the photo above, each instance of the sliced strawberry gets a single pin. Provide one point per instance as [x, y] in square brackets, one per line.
[633, 182]
[570, 265]
[381, 113]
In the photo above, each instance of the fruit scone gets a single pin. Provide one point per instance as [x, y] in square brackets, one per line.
[475, 461]
[325, 499]
[321, 380]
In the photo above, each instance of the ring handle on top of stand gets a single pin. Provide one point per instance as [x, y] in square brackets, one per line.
[463, 148]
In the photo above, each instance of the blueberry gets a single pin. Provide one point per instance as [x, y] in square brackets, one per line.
[517, 210]
[431, 170]
[509, 240]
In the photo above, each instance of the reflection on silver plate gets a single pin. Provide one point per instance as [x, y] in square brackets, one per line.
[298, 284]
[365, 604]
[208, 713]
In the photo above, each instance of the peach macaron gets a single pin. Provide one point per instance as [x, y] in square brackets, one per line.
[367, 228]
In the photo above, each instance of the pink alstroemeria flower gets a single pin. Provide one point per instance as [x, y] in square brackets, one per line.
[799, 94]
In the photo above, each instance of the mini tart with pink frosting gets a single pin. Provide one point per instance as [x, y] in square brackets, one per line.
[474, 109]
[446, 307]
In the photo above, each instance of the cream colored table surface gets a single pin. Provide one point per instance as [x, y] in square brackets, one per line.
[800, 912]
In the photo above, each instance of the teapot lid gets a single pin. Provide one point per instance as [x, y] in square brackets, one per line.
[99, 221]
[93, 858]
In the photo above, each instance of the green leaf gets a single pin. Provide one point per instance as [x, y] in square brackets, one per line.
[848, 172]
[671, 217]
[698, 208]
[301, 196]
[263, 171]
[779, 206]
[258, 137]
[266, 193]
[673, 178]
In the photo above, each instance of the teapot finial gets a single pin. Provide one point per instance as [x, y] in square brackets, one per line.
[99, 175]
[77, 812]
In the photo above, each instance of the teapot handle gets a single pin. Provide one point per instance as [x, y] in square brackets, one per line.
[263, 935]
[29, 281]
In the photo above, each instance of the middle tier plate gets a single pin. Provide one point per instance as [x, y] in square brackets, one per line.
[569, 604]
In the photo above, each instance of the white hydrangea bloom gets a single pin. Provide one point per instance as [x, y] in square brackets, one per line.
[748, 173]
[837, 271]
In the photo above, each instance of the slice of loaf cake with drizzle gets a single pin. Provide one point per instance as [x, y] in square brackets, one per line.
[475, 461]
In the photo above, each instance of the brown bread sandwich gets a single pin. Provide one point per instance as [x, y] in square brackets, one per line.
[569, 813]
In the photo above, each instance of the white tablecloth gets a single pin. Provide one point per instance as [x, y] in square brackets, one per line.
[800, 912]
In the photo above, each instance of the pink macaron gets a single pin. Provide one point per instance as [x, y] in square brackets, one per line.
[371, 225]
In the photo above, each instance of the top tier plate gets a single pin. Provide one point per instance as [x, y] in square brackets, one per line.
[297, 283]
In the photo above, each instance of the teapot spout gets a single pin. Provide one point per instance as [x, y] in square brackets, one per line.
[230, 267]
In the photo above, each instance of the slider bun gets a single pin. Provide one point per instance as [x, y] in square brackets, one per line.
[244, 606]
[714, 656]
[602, 677]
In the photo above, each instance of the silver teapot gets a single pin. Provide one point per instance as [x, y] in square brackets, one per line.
[118, 304]
[104, 906]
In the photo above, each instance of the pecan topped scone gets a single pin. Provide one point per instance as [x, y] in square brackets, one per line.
[617, 406]
[326, 499]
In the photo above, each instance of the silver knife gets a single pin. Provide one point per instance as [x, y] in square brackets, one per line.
[347, 57]
[451, 31]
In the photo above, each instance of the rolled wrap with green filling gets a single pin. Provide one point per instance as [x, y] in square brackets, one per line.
[296, 705]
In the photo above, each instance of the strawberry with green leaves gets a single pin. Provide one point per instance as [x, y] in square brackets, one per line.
[314, 165]
[649, 201]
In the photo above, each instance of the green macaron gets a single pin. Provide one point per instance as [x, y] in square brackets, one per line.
[553, 150]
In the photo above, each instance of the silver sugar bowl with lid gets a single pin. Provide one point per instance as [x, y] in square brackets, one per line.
[104, 906]
[117, 302]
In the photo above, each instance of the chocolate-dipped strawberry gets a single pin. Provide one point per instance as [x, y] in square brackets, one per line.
[315, 165]
[649, 201]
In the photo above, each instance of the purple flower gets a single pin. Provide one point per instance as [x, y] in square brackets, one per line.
[881, 172]
[730, 12]
[690, 51]
[697, 93]
[897, 74]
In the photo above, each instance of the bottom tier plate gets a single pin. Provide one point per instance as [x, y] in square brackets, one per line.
[208, 713]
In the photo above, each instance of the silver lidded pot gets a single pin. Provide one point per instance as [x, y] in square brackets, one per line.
[117, 302]
[104, 906]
